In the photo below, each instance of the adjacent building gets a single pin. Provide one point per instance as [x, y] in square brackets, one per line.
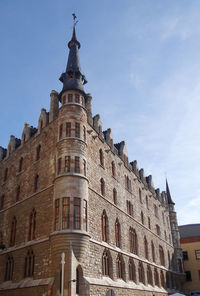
[190, 244]
[66, 187]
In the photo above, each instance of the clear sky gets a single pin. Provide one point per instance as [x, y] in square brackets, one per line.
[142, 62]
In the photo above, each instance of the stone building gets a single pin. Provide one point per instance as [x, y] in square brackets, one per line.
[190, 244]
[66, 187]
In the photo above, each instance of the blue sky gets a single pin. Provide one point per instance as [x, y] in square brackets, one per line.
[142, 62]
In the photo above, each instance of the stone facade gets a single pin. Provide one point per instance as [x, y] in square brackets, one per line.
[65, 187]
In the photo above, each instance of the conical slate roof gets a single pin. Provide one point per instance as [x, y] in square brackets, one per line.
[169, 199]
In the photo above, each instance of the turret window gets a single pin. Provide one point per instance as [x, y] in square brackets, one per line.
[77, 98]
[84, 167]
[85, 215]
[68, 129]
[67, 163]
[77, 130]
[59, 165]
[57, 210]
[9, 268]
[64, 100]
[77, 164]
[70, 98]
[66, 213]
[77, 213]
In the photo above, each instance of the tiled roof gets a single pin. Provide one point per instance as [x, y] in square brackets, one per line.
[189, 230]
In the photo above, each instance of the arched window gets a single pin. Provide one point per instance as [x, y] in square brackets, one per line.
[140, 195]
[104, 225]
[146, 249]
[147, 202]
[113, 169]
[18, 193]
[101, 157]
[115, 196]
[117, 233]
[149, 223]
[162, 279]
[142, 217]
[133, 240]
[29, 264]
[102, 186]
[36, 185]
[149, 276]
[13, 231]
[162, 257]
[20, 164]
[32, 225]
[131, 270]
[106, 264]
[153, 252]
[38, 152]
[169, 260]
[119, 264]
[9, 268]
[141, 273]
[156, 277]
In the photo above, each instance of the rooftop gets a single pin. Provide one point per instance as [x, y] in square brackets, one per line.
[189, 230]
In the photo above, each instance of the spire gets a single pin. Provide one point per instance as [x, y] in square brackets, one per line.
[169, 199]
[73, 78]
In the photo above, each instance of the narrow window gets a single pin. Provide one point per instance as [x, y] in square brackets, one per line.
[70, 98]
[77, 212]
[68, 129]
[102, 187]
[188, 276]
[142, 217]
[185, 255]
[57, 210]
[153, 252]
[2, 202]
[117, 234]
[141, 273]
[77, 164]
[149, 223]
[84, 133]
[140, 195]
[13, 232]
[9, 268]
[29, 264]
[156, 278]
[115, 196]
[77, 130]
[146, 251]
[66, 213]
[85, 215]
[119, 267]
[59, 165]
[156, 210]
[38, 152]
[113, 169]
[60, 131]
[147, 202]
[162, 257]
[67, 163]
[18, 193]
[149, 276]
[158, 229]
[162, 279]
[20, 164]
[104, 226]
[133, 240]
[84, 167]
[5, 175]
[131, 270]
[32, 225]
[36, 185]
[105, 264]
[77, 98]
[101, 157]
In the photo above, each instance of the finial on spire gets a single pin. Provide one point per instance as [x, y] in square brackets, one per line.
[74, 19]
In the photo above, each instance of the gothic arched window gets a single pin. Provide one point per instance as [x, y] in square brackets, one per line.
[113, 169]
[9, 268]
[115, 196]
[156, 278]
[133, 240]
[101, 157]
[149, 276]
[131, 270]
[29, 264]
[146, 249]
[104, 225]
[106, 264]
[13, 231]
[32, 225]
[117, 233]
[102, 183]
[162, 257]
[142, 217]
[162, 279]
[153, 252]
[120, 266]
[141, 273]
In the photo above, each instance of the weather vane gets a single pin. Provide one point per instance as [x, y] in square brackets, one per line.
[74, 18]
